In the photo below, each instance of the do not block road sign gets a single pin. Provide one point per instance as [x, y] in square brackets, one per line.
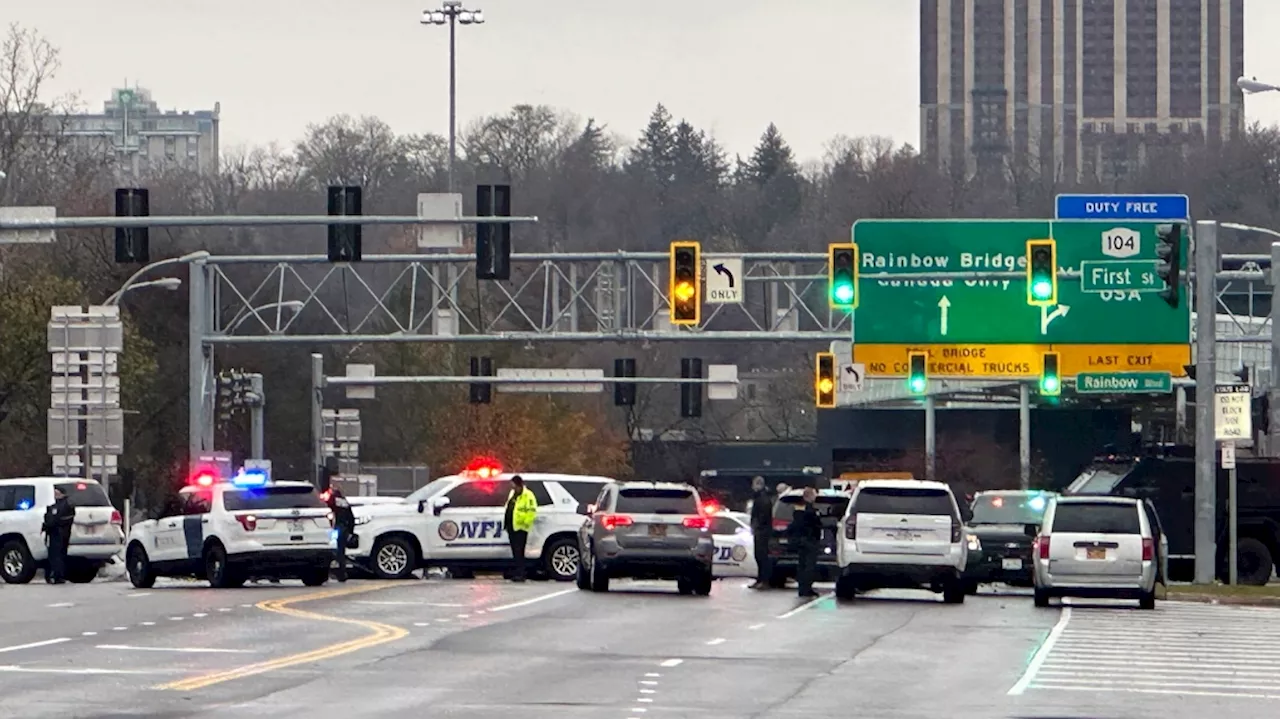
[1232, 405]
[724, 279]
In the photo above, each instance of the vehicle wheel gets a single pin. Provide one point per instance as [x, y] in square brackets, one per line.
[16, 564]
[953, 592]
[599, 576]
[778, 579]
[561, 560]
[684, 586]
[315, 577]
[702, 585]
[970, 587]
[846, 590]
[82, 572]
[1253, 562]
[1041, 597]
[139, 567]
[218, 570]
[584, 579]
[393, 558]
[1147, 600]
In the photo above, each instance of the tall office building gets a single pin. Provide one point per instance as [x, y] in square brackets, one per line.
[1076, 89]
[143, 138]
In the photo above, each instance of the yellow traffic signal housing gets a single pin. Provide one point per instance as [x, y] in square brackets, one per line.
[1050, 377]
[842, 275]
[824, 380]
[684, 294]
[1042, 273]
[918, 372]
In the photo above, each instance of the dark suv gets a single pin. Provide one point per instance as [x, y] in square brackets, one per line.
[831, 505]
[999, 523]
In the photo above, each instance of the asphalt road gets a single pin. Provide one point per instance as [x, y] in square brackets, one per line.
[472, 649]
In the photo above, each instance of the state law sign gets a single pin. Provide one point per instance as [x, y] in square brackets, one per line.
[1232, 418]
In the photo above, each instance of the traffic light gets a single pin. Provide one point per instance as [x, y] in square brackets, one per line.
[685, 291]
[824, 380]
[1050, 379]
[481, 392]
[918, 372]
[133, 244]
[842, 275]
[493, 240]
[690, 393]
[344, 240]
[624, 393]
[1169, 268]
[1042, 273]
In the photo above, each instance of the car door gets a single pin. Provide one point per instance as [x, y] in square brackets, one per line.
[732, 538]
[21, 514]
[167, 542]
[1162, 542]
[470, 526]
[194, 525]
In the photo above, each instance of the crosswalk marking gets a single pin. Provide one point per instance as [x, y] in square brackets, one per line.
[1178, 649]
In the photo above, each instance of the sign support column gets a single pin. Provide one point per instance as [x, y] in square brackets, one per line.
[1206, 263]
[1273, 388]
[1229, 464]
[930, 438]
[1024, 435]
[1233, 422]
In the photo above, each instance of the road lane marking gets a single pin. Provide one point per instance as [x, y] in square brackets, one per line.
[379, 633]
[1041, 654]
[652, 674]
[1178, 692]
[224, 609]
[199, 614]
[88, 634]
[804, 606]
[527, 602]
[672, 663]
[119, 629]
[179, 650]
[42, 670]
[175, 619]
[650, 684]
[755, 626]
[446, 605]
[463, 616]
[61, 605]
[717, 640]
[648, 691]
[645, 699]
[148, 624]
[135, 595]
[33, 645]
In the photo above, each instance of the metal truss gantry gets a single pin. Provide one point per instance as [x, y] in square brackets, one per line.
[582, 297]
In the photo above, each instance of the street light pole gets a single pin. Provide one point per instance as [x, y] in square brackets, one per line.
[452, 13]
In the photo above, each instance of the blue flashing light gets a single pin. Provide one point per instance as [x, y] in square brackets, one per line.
[1036, 503]
[24, 504]
[250, 478]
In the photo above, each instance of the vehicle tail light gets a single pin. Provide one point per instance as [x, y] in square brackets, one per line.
[851, 527]
[115, 517]
[1148, 550]
[248, 521]
[697, 522]
[1042, 546]
[781, 524]
[955, 531]
[613, 521]
[329, 516]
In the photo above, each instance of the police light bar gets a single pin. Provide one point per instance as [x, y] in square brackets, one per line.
[204, 478]
[483, 468]
[250, 478]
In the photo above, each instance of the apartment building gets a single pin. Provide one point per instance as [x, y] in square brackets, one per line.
[144, 138]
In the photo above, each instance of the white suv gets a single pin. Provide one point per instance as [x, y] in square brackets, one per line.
[96, 535]
[902, 533]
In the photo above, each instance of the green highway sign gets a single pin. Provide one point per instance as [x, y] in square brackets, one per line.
[1113, 304]
[1113, 275]
[1124, 382]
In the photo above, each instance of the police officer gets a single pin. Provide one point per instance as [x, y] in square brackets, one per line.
[344, 521]
[761, 529]
[805, 531]
[58, 518]
[522, 510]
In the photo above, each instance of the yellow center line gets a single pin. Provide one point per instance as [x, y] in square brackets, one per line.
[379, 634]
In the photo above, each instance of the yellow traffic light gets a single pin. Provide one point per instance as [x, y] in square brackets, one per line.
[683, 294]
[824, 383]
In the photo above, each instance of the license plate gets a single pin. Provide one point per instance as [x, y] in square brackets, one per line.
[1011, 564]
[1095, 553]
[295, 525]
[657, 530]
[90, 529]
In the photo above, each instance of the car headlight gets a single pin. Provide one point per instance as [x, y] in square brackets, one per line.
[974, 543]
[362, 520]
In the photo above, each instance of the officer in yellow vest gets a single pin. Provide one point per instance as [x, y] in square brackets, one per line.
[522, 509]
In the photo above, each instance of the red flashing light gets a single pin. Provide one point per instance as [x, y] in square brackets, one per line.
[997, 501]
[80, 485]
[711, 508]
[325, 495]
[483, 468]
[613, 521]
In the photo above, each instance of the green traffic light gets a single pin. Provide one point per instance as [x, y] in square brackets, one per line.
[919, 384]
[843, 294]
[1050, 385]
[1042, 289]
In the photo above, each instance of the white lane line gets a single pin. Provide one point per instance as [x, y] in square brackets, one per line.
[1179, 692]
[224, 609]
[527, 602]
[463, 616]
[672, 663]
[246, 606]
[148, 624]
[648, 691]
[717, 640]
[88, 634]
[755, 626]
[33, 645]
[652, 674]
[38, 670]
[422, 624]
[175, 619]
[61, 605]
[178, 650]
[119, 629]
[479, 611]
[647, 700]
[442, 620]
[649, 683]
[446, 605]
[638, 710]
[198, 615]
[135, 595]
[1041, 654]
[804, 606]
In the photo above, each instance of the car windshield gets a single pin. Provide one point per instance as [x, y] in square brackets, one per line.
[827, 506]
[430, 489]
[1097, 480]
[904, 500]
[85, 494]
[657, 501]
[239, 500]
[1009, 509]
[1096, 518]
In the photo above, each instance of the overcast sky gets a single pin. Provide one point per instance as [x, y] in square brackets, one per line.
[817, 68]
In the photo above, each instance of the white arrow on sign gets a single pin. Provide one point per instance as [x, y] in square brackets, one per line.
[1046, 316]
[943, 305]
[851, 377]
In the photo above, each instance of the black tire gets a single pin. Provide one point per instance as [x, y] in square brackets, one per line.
[701, 584]
[584, 579]
[560, 559]
[953, 592]
[82, 572]
[846, 590]
[599, 576]
[970, 586]
[393, 558]
[218, 570]
[777, 579]
[16, 564]
[684, 586]
[315, 577]
[136, 563]
[1254, 563]
[1041, 597]
[1147, 600]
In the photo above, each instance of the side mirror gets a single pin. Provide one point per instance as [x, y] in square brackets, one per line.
[422, 506]
[1031, 530]
[591, 509]
[438, 504]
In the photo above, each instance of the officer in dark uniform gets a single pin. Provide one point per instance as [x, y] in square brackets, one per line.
[344, 520]
[761, 529]
[805, 532]
[58, 518]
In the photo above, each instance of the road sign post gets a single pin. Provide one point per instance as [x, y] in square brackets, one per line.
[85, 422]
[1229, 464]
[723, 275]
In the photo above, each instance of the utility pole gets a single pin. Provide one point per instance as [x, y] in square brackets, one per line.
[1206, 307]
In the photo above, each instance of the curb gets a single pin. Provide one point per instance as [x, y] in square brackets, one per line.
[1260, 601]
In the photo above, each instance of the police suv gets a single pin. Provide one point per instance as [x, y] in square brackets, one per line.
[231, 531]
[455, 523]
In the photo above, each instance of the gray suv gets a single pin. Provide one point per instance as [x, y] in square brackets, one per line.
[647, 530]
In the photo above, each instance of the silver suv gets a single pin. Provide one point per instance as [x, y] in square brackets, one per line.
[1095, 547]
[647, 530]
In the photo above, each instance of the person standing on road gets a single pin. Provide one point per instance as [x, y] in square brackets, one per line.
[344, 522]
[806, 535]
[58, 518]
[761, 529]
[522, 510]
